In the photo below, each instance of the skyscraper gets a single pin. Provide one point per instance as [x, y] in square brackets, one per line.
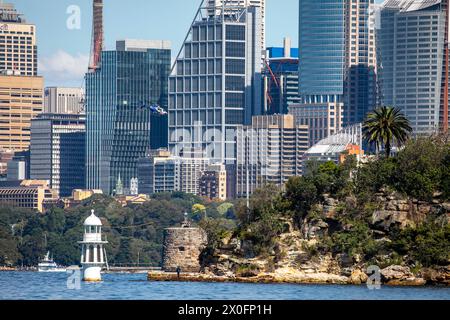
[411, 46]
[323, 119]
[269, 151]
[57, 152]
[20, 87]
[256, 3]
[216, 82]
[119, 94]
[20, 101]
[18, 49]
[337, 55]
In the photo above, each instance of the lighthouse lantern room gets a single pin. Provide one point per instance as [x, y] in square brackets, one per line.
[92, 253]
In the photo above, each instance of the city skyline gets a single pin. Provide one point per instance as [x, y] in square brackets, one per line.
[64, 53]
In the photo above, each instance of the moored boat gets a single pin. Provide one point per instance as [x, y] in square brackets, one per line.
[48, 265]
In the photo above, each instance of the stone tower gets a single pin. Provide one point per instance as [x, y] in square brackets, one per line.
[182, 248]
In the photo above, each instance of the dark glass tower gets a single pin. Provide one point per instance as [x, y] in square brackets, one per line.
[337, 56]
[120, 126]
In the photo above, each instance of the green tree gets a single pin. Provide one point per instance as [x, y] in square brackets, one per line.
[386, 127]
[260, 222]
[300, 195]
[9, 253]
[420, 167]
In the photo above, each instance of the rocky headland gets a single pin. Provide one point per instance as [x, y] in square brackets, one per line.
[300, 254]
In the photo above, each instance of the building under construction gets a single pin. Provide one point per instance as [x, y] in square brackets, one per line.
[280, 79]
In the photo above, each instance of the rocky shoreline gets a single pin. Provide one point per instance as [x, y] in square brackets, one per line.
[7, 269]
[391, 276]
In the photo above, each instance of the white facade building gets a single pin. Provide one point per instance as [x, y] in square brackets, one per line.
[63, 100]
[256, 3]
[215, 84]
[323, 119]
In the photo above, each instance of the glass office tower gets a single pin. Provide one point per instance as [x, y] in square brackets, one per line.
[119, 120]
[337, 55]
[321, 50]
[216, 82]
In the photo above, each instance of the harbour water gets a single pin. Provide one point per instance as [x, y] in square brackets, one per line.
[55, 286]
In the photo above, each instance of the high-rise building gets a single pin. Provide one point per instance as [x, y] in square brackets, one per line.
[158, 173]
[18, 49]
[119, 94]
[213, 182]
[20, 88]
[57, 151]
[63, 100]
[193, 163]
[411, 45]
[216, 82]
[269, 151]
[20, 101]
[323, 119]
[256, 3]
[280, 79]
[337, 55]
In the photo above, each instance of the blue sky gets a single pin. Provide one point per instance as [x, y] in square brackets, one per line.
[63, 53]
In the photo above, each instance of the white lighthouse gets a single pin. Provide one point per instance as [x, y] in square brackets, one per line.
[92, 254]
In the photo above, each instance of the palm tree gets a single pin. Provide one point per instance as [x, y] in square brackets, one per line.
[386, 127]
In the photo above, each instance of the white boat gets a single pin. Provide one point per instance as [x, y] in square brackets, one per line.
[48, 265]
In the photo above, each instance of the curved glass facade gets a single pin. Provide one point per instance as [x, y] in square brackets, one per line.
[118, 129]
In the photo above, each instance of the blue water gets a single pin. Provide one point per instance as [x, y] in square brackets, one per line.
[46, 286]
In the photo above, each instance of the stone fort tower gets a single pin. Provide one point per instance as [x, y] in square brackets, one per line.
[182, 248]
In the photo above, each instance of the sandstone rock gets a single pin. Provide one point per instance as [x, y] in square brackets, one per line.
[391, 205]
[314, 228]
[410, 282]
[446, 206]
[403, 207]
[290, 275]
[358, 277]
[396, 273]
[424, 209]
[386, 219]
[435, 276]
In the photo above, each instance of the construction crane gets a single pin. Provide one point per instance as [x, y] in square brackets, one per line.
[97, 35]
[269, 85]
